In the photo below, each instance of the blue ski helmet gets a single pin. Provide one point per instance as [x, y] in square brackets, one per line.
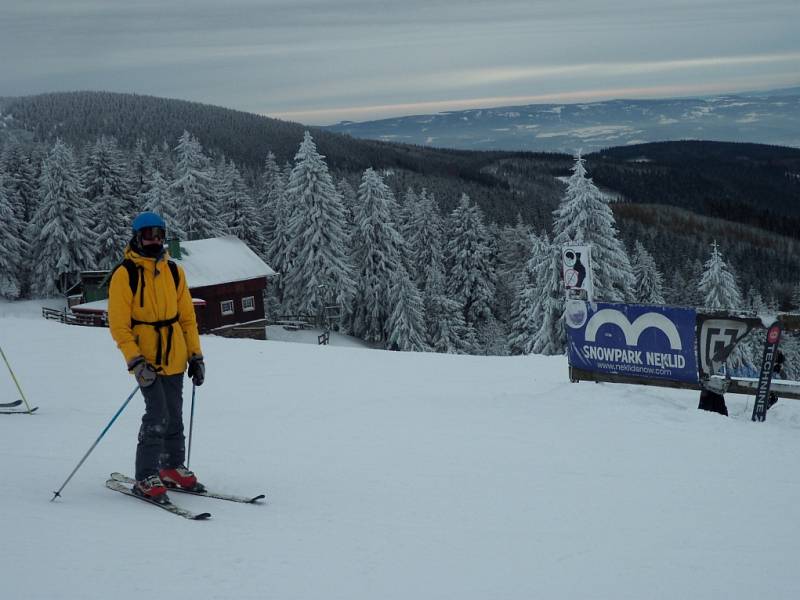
[148, 219]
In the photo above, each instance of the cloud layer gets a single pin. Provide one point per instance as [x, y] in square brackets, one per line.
[319, 61]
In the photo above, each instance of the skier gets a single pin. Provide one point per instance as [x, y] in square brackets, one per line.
[152, 320]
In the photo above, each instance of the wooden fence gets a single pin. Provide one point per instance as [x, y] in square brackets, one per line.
[70, 318]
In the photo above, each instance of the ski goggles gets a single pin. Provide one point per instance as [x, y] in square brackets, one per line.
[152, 234]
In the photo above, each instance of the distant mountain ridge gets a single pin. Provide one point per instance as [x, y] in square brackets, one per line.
[771, 117]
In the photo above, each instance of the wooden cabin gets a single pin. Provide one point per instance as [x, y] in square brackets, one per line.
[226, 279]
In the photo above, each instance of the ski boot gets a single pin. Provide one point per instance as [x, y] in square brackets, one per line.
[181, 477]
[152, 488]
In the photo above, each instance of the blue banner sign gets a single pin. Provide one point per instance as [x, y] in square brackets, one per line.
[633, 340]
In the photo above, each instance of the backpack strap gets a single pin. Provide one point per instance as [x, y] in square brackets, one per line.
[176, 276]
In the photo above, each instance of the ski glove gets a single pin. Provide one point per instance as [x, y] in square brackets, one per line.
[197, 369]
[144, 372]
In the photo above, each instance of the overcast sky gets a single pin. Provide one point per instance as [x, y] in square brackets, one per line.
[322, 61]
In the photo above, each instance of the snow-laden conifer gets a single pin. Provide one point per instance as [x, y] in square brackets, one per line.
[447, 332]
[139, 169]
[426, 244]
[649, 283]
[405, 327]
[348, 195]
[513, 254]
[528, 302]
[158, 198]
[11, 246]
[106, 176]
[378, 258]
[191, 187]
[61, 240]
[584, 216]
[471, 279]
[20, 180]
[719, 290]
[316, 232]
[237, 208]
[111, 228]
[718, 284]
[271, 196]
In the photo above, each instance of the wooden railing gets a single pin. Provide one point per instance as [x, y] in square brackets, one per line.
[64, 316]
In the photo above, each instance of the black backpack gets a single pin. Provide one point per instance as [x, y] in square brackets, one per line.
[133, 273]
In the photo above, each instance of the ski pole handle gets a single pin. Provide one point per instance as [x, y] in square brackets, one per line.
[97, 441]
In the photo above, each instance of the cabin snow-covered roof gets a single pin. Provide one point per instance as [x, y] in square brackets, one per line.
[220, 260]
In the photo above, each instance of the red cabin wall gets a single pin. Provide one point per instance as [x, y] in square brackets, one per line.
[210, 316]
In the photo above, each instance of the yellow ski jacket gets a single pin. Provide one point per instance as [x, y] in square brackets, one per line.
[158, 321]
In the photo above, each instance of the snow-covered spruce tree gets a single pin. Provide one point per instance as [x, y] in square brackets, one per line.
[719, 290]
[237, 208]
[316, 232]
[526, 318]
[406, 323]
[139, 169]
[471, 279]
[111, 228]
[718, 284]
[61, 240]
[106, 176]
[270, 196]
[161, 160]
[513, 253]
[551, 337]
[158, 198]
[10, 246]
[447, 332]
[649, 283]
[278, 247]
[584, 216]
[21, 187]
[425, 244]
[378, 258]
[676, 292]
[192, 189]
[20, 180]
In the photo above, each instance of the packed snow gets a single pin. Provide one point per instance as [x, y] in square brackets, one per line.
[391, 475]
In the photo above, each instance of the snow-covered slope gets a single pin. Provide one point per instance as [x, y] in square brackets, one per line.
[392, 476]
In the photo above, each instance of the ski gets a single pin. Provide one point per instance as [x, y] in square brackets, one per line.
[207, 493]
[765, 375]
[10, 404]
[120, 487]
[18, 411]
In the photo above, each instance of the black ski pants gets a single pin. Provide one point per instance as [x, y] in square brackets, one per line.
[161, 441]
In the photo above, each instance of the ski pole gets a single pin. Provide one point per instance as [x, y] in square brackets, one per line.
[97, 441]
[14, 377]
[191, 425]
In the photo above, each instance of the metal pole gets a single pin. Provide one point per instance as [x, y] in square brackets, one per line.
[14, 377]
[97, 441]
[191, 425]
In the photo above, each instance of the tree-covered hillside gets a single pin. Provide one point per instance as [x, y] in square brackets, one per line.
[676, 197]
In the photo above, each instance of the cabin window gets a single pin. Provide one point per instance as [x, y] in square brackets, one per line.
[248, 303]
[227, 307]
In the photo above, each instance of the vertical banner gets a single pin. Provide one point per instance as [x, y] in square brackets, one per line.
[632, 340]
[577, 270]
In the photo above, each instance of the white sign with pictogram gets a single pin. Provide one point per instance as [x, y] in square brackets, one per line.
[576, 269]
